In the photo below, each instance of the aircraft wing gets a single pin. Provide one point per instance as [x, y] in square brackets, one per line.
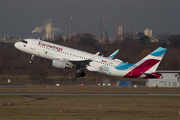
[114, 54]
[80, 62]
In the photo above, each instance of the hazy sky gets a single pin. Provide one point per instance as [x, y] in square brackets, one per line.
[20, 17]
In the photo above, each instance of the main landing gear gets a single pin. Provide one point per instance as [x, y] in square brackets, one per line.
[32, 58]
[80, 74]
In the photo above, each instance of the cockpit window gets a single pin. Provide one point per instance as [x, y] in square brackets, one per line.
[24, 41]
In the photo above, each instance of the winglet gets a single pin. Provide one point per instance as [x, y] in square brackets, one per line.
[93, 57]
[114, 54]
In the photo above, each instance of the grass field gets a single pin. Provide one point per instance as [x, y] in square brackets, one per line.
[89, 107]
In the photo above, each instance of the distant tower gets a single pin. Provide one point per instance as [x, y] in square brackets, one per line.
[120, 34]
[102, 28]
[106, 37]
[70, 30]
[48, 26]
[148, 33]
[6, 36]
[48, 31]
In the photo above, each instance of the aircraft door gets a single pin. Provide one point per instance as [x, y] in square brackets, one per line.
[33, 46]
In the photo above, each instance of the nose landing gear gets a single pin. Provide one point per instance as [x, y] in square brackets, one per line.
[32, 58]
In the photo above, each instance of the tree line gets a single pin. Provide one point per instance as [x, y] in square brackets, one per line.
[15, 62]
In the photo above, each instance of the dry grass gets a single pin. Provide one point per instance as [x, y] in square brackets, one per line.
[89, 108]
[67, 107]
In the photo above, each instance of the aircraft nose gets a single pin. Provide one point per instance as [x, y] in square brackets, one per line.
[16, 45]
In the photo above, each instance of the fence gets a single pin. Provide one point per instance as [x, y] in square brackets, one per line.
[52, 82]
[67, 81]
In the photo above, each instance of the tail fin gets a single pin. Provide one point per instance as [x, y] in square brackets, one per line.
[148, 65]
[152, 60]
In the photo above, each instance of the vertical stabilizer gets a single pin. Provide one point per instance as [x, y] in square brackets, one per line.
[153, 60]
[148, 65]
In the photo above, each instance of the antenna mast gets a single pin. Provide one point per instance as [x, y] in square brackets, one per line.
[70, 30]
[102, 26]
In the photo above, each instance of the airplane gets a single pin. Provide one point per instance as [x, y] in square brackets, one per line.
[64, 57]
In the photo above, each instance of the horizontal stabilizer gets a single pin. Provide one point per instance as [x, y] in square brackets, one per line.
[153, 75]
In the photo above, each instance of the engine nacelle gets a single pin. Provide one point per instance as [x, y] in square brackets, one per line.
[60, 64]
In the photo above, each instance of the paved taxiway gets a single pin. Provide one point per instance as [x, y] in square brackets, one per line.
[89, 93]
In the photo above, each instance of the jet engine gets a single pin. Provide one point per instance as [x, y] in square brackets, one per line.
[60, 64]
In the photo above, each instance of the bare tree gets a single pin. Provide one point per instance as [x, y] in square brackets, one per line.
[163, 38]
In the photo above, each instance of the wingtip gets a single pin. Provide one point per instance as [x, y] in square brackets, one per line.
[97, 53]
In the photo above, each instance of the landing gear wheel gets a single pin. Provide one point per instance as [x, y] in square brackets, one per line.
[30, 62]
[78, 75]
[82, 74]
[32, 58]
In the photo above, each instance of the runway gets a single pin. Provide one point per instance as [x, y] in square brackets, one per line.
[89, 93]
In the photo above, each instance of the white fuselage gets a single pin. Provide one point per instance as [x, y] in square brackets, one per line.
[62, 56]
[50, 51]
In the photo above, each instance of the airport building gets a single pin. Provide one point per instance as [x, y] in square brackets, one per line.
[148, 33]
[170, 79]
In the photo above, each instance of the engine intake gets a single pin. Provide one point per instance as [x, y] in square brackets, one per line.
[60, 64]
